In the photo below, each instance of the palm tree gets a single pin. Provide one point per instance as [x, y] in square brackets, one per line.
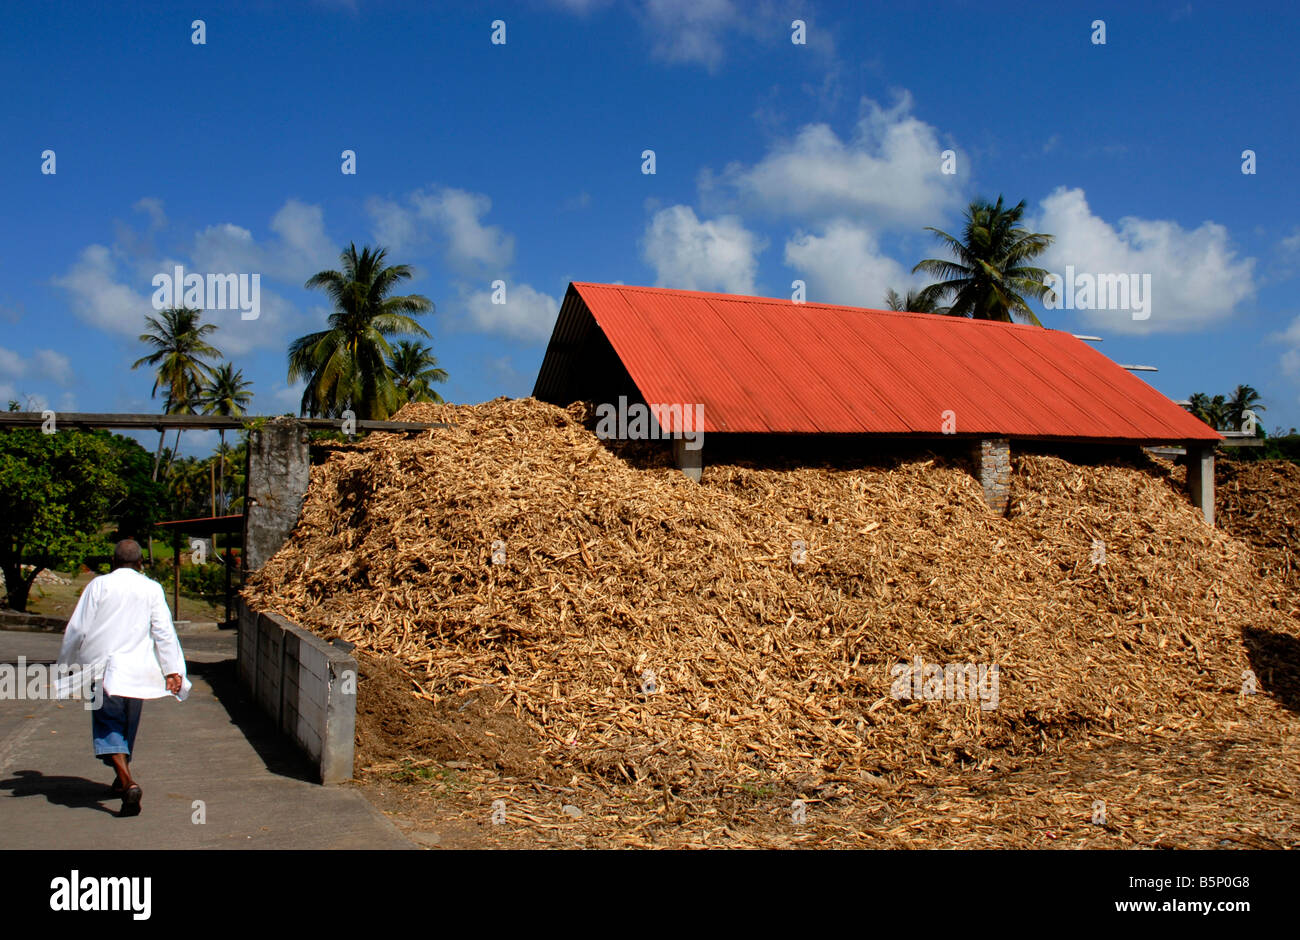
[237, 460]
[178, 359]
[414, 369]
[187, 483]
[1216, 413]
[346, 366]
[1244, 398]
[1199, 405]
[912, 303]
[228, 396]
[990, 276]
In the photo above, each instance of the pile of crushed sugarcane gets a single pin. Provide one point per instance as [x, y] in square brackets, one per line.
[753, 627]
[1258, 501]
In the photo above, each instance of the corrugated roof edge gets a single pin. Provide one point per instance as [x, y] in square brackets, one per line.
[994, 324]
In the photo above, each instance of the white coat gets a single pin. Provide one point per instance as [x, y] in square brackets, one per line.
[122, 629]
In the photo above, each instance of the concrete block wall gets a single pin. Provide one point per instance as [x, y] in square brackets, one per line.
[304, 684]
[994, 456]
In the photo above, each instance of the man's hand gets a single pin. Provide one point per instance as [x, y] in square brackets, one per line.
[174, 683]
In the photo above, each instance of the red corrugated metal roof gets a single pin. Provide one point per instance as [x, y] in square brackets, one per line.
[765, 365]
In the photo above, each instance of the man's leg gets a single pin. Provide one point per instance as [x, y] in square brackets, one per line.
[113, 728]
[123, 768]
[132, 708]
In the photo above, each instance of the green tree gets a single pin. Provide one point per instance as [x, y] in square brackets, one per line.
[236, 462]
[990, 276]
[1243, 398]
[1218, 413]
[912, 303]
[228, 396]
[346, 366]
[57, 490]
[179, 360]
[415, 369]
[188, 485]
[143, 500]
[1199, 405]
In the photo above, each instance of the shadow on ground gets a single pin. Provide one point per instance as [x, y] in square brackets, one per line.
[73, 792]
[274, 748]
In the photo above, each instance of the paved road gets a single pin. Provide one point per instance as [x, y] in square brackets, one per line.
[256, 792]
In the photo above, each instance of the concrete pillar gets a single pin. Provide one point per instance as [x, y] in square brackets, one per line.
[278, 469]
[1200, 478]
[690, 461]
[993, 456]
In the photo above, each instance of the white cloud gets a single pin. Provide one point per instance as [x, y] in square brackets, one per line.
[304, 248]
[299, 249]
[393, 226]
[452, 217]
[277, 322]
[579, 6]
[527, 314]
[98, 281]
[1290, 339]
[1197, 280]
[285, 398]
[11, 364]
[53, 365]
[696, 32]
[98, 297]
[12, 312]
[689, 30]
[154, 208]
[1292, 242]
[225, 247]
[844, 265]
[690, 254]
[888, 173]
[43, 364]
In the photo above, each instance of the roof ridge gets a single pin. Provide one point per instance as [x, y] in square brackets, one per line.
[751, 298]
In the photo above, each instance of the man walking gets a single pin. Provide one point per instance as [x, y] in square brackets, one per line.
[122, 632]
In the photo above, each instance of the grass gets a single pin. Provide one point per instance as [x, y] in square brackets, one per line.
[58, 600]
[423, 772]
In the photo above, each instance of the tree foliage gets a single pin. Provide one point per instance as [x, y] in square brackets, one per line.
[346, 367]
[914, 302]
[415, 370]
[989, 275]
[59, 491]
[1228, 414]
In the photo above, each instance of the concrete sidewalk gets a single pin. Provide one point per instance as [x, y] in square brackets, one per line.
[256, 791]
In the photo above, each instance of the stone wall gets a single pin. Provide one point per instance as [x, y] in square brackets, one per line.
[994, 457]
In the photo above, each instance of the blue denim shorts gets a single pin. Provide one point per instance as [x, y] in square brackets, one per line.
[113, 726]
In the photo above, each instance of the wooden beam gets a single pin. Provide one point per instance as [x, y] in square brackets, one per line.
[155, 422]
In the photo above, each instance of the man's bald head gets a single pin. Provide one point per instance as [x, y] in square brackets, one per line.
[127, 554]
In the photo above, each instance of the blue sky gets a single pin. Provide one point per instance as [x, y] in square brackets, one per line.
[522, 162]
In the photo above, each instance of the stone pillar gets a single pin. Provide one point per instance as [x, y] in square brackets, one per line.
[1200, 478]
[690, 461]
[278, 469]
[993, 455]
